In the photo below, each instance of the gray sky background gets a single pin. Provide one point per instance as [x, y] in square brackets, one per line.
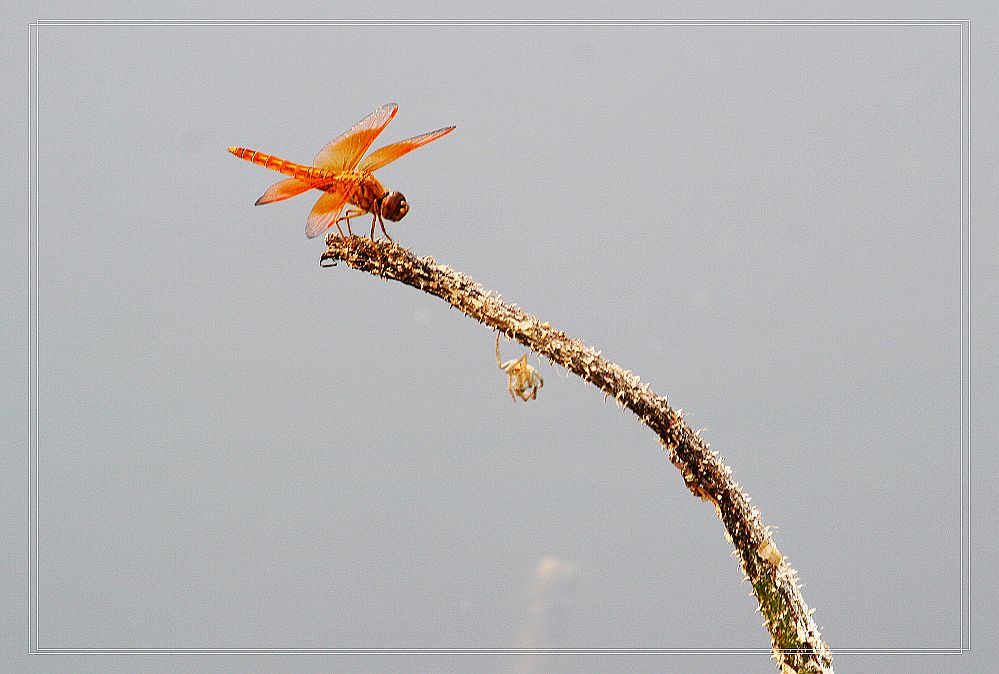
[239, 449]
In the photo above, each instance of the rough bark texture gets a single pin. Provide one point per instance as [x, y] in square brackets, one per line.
[796, 643]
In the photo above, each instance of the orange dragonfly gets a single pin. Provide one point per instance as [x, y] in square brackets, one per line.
[343, 176]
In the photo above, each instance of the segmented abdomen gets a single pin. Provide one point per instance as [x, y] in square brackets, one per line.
[310, 174]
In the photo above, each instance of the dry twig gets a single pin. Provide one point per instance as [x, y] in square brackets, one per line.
[796, 643]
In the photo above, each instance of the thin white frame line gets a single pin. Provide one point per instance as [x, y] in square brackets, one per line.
[33, 347]
[965, 381]
[965, 337]
[559, 22]
[967, 185]
[960, 368]
[970, 512]
[539, 22]
[486, 651]
[31, 557]
[38, 52]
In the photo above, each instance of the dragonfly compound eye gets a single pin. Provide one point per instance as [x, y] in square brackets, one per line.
[394, 206]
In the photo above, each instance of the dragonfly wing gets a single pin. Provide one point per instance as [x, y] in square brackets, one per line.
[343, 152]
[390, 153]
[325, 212]
[283, 189]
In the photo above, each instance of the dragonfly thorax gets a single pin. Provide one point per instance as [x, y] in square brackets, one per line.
[371, 197]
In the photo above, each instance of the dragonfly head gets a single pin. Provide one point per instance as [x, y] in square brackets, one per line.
[394, 206]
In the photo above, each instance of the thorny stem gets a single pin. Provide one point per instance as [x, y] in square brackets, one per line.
[796, 643]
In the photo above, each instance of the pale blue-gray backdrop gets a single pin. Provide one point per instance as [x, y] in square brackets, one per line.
[238, 449]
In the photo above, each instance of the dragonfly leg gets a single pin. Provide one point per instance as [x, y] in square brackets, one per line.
[382, 223]
[352, 213]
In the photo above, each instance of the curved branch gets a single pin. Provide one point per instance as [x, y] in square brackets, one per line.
[796, 643]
